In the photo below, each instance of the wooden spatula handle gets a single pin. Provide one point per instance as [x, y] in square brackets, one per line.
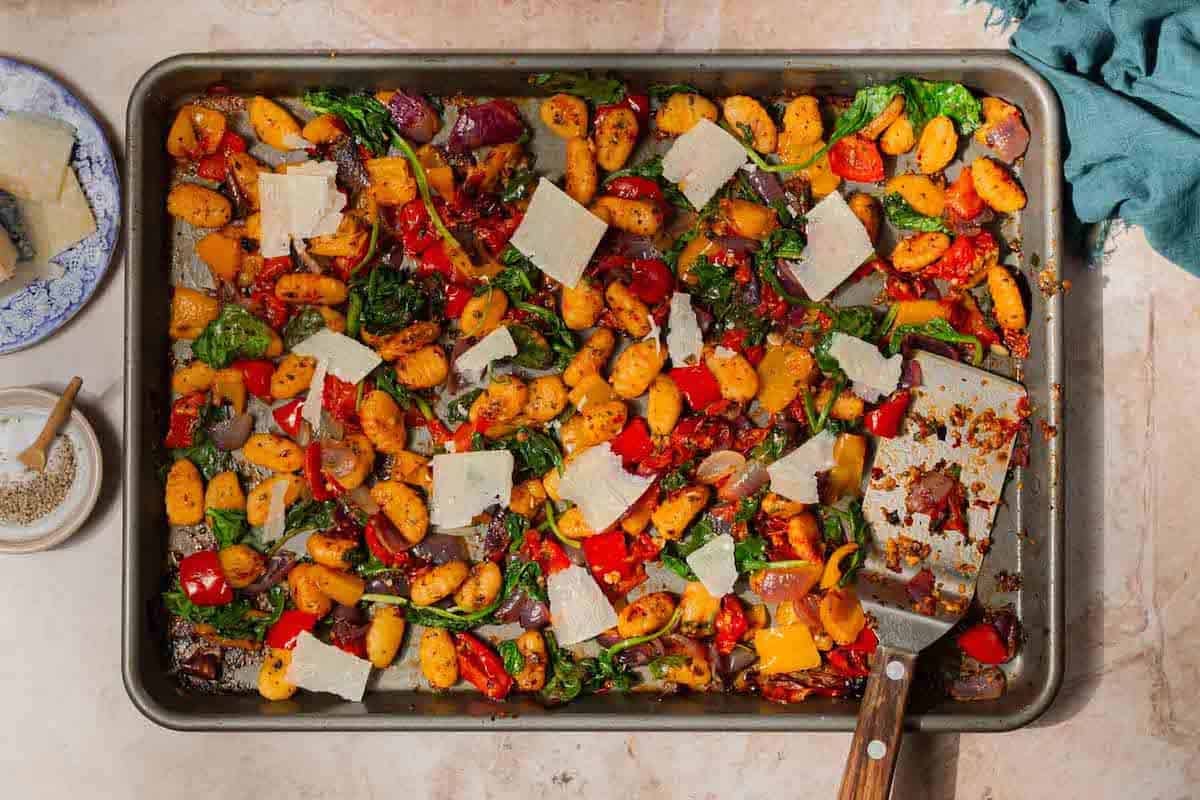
[62, 410]
[872, 759]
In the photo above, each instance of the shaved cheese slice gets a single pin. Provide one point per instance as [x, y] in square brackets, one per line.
[348, 360]
[34, 153]
[685, 340]
[872, 374]
[467, 484]
[714, 566]
[702, 160]
[496, 345]
[596, 481]
[316, 395]
[558, 234]
[795, 475]
[294, 141]
[320, 667]
[276, 520]
[300, 203]
[578, 608]
[838, 244]
[55, 225]
[8, 256]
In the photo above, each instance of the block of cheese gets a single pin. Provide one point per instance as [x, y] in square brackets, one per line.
[467, 484]
[346, 359]
[837, 245]
[320, 667]
[795, 475]
[56, 225]
[685, 340]
[558, 234]
[702, 160]
[597, 482]
[496, 345]
[302, 203]
[34, 153]
[714, 565]
[872, 374]
[578, 608]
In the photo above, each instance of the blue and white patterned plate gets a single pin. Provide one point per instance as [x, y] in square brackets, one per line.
[39, 309]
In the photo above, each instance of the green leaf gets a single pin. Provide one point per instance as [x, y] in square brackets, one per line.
[566, 676]
[671, 257]
[519, 186]
[236, 620]
[534, 452]
[558, 335]
[307, 515]
[515, 524]
[302, 326]
[369, 120]
[938, 329]
[849, 525]
[390, 300]
[771, 448]
[227, 525]
[235, 333]
[678, 477]
[748, 506]
[660, 666]
[511, 655]
[903, 215]
[661, 91]
[678, 566]
[519, 279]
[533, 351]
[924, 100]
[205, 455]
[750, 554]
[459, 409]
[599, 90]
[701, 532]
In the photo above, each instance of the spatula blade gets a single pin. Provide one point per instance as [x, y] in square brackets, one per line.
[959, 417]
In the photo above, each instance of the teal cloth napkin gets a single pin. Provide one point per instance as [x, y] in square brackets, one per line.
[1128, 75]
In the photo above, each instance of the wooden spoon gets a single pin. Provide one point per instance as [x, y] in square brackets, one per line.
[34, 456]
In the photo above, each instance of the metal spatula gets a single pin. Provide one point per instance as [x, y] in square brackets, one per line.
[960, 419]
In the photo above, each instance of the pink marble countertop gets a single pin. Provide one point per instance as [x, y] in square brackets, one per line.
[1126, 723]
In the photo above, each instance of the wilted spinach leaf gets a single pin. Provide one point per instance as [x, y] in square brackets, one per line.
[903, 215]
[599, 90]
[302, 326]
[235, 333]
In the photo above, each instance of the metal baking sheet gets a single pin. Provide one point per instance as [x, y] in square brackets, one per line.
[1028, 531]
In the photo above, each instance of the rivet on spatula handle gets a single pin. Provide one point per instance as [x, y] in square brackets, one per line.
[872, 759]
[34, 456]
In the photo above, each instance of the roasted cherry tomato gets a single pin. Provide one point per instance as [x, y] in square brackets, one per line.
[632, 187]
[480, 665]
[340, 399]
[653, 281]
[457, 297]
[212, 167]
[731, 624]
[612, 564]
[884, 420]
[289, 416]
[203, 580]
[416, 228]
[185, 418]
[983, 643]
[495, 232]
[698, 385]
[963, 203]
[633, 443]
[856, 158]
[321, 486]
[548, 553]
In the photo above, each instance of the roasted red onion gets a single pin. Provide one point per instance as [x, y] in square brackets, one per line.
[414, 117]
[783, 270]
[928, 494]
[361, 497]
[278, 567]
[351, 170]
[970, 227]
[350, 624]
[737, 245]
[391, 582]
[440, 548]
[910, 374]
[986, 683]
[493, 122]
[766, 184]
[916, 341]
[388, 536]
[777, 585]
[510, 608]
[203, 664]
[496, 538]
[718, 466]
[631, 245]
[337, 458]
[535, 615]
[640, 654]
[1007, 138]
[1007, 624]
[232, 433]
[749, 479]
[731, 664]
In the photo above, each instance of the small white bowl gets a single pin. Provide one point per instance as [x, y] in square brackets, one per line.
[57, 526]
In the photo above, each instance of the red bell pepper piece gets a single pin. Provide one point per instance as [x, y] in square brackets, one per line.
[548, 553]
[731, 624]
[963, 203]
[256, 374]
[185, 418]
[866, 642]
[322, 487]
[212, 167]
[340, 398]
[374, 540]
[849, 663]
[270, 271]
[288, 417]
[956, 265]
[416, 228]
[973, 323]
[231, 143]
[856, 158]
[612, 564]
[480, 665]
[203, 580]
[639, 104]
[272, 310]
[983, 643]
[698, 385]
[282, 635]
[632, 187]
[884, 420]
[653, 281]
[457, 297]
[633, 443]
[495, 232]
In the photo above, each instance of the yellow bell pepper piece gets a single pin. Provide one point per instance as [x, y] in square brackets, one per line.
[850, 455]
[833, 567]
[918, 312]
[789, 648]
[228, 386]
[842, 615]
